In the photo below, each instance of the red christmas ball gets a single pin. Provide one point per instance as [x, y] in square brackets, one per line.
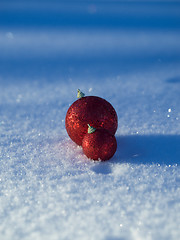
[99, 144]
[92, 110]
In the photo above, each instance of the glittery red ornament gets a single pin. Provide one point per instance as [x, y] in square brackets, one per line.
[91, 110]
[99, 144]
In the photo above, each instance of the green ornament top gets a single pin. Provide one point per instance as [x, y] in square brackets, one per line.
[91, 129]
[80, 94]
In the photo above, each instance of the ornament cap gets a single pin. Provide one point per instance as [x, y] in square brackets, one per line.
[80, 94]
[91, 129]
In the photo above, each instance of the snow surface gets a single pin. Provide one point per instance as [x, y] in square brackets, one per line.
[48, 188]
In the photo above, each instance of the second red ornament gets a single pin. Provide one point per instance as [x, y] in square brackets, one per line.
[99, 144]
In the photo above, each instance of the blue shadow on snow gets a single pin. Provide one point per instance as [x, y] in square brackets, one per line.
[173, 80]
[143, 149]
[148, 149]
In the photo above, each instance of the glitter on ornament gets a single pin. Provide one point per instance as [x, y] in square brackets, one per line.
[99, 144]
[92, 110]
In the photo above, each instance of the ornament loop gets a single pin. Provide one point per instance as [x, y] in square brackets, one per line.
[91, 129]
[80, 94]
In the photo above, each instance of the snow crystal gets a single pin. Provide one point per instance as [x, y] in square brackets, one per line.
[90, 89]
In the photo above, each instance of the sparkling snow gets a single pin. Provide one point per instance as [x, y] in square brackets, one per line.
[48, 189]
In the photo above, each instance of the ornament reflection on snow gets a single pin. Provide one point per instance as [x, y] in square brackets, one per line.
[95, 112]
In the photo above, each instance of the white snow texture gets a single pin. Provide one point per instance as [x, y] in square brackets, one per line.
[49, 190]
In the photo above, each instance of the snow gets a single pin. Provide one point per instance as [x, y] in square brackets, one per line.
[48, 188]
